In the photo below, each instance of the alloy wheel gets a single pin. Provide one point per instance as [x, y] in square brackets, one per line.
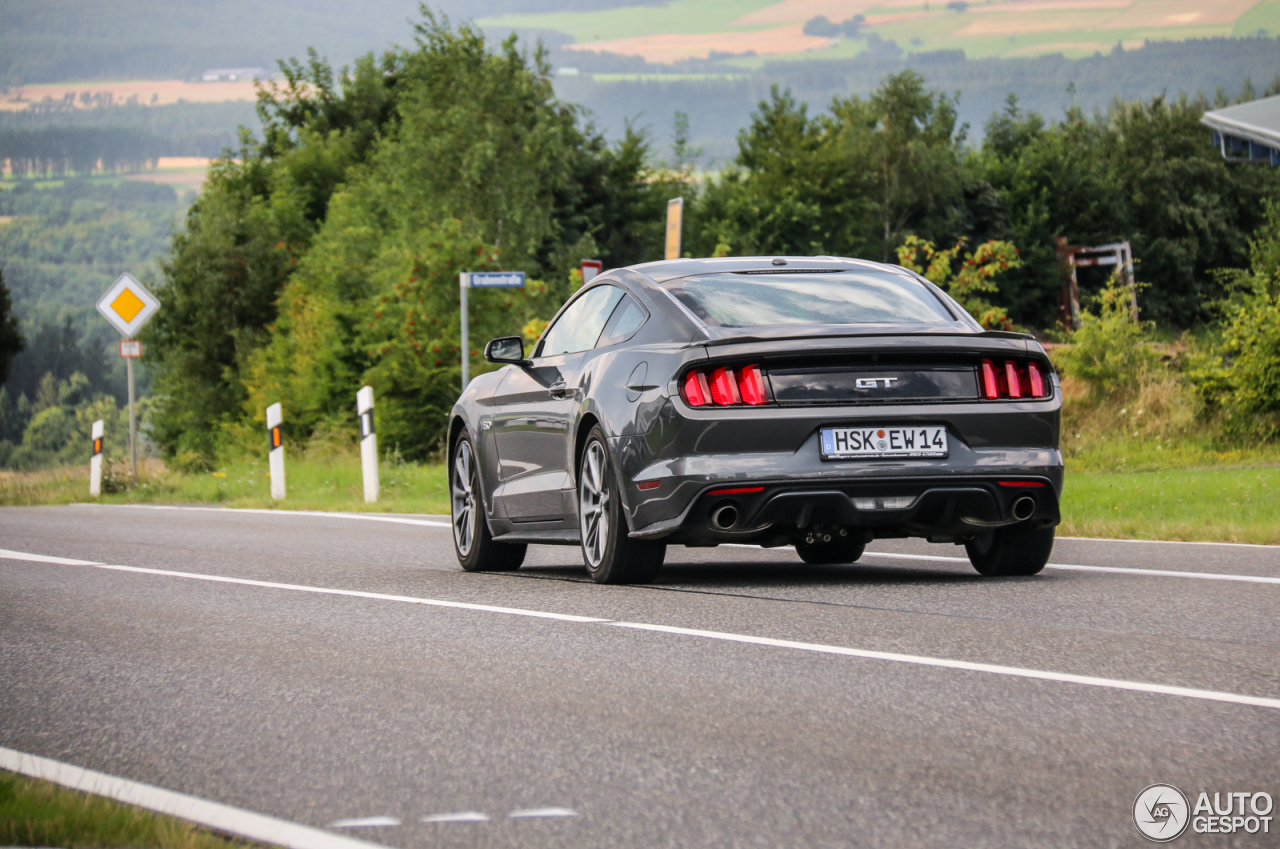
[593, 503]
[463, 496]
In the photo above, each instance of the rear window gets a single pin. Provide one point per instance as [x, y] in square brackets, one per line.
[810, 297]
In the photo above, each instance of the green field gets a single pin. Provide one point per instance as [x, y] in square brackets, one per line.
[996, 28]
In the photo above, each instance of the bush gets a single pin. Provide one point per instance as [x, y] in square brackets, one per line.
[1110, 352]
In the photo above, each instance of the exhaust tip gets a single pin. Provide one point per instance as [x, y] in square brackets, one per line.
[1024, 508]
[725, 516]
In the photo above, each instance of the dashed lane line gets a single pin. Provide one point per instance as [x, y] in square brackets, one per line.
[915, 660]
[215, 815]
[366, 822]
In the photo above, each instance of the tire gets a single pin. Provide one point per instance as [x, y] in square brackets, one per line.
[839, 550]
[472, 542]
[1015, 550]
[611, 556]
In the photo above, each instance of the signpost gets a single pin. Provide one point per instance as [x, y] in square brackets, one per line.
[128, 306]
[675, 216]
[481, 280]
[590, 268]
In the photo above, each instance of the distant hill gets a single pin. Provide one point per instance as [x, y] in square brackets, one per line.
[747, 32]
[60, 40]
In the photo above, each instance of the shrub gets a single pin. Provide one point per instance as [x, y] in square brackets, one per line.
[1110, 352]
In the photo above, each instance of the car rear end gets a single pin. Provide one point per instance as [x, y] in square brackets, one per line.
[788, 433]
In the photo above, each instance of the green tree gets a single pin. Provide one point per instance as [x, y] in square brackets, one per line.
[485, 169]
[11, 342]
[243, 239]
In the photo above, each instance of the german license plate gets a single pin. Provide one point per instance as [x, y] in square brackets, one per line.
[865, 443]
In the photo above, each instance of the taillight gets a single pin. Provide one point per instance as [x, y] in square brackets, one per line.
[1012, 379]
[725, 387]
[696, 393]
[990, 386]
[751, 386]
[1037, 381]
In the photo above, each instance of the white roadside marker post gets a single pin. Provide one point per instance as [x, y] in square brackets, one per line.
[95, 465]
[368, 444]
[275, 452]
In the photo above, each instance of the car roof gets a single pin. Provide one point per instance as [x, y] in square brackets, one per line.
[670, 269]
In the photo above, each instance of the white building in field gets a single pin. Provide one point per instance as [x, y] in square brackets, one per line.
[223, 75]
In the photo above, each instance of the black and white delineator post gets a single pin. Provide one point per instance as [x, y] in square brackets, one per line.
[368, 444]
[95, 465]
[275, 449]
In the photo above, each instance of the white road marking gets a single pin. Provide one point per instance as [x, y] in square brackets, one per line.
[219, 579]
[1012, 671]
[1118, 570]
[1176, 542]
[215, 815]
[397, 520]
[1063, 677]
[464, 816]
[543, 812]
[365, 822]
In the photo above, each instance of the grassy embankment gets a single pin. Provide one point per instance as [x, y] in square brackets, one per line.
[40, 813]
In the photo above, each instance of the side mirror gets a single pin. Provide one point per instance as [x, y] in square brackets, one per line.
[507, 349]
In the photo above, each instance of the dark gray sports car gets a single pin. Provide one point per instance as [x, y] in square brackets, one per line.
[809, 401]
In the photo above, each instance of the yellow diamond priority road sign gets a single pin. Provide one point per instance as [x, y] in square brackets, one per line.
[128, 305]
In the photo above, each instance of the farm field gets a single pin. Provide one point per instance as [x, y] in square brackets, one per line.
[755, 30]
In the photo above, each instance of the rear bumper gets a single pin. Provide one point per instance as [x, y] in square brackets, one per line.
[885, 507]
[940, 508]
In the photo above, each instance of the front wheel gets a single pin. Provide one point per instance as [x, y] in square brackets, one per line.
[1015, 550]
[472, 542]
[611, 556]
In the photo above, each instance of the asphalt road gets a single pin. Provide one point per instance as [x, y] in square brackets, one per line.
[317, 707]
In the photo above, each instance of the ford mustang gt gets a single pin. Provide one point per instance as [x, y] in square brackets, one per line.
[815, 402]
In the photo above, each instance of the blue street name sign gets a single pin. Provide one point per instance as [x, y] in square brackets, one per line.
[496, 279]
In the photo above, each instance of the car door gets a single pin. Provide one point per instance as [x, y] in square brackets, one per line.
[535, 411]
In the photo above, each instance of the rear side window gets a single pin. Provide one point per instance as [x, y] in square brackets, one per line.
[579, 326]
[862, 296]
[623, 324]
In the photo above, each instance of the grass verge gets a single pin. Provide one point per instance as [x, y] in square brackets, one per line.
[1204, 505]
[40, 813]
[332, 483]
[1120, 494]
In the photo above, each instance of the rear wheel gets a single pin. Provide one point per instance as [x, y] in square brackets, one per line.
[1015, 550]
[838, 550]
[611, 556]
[472, 542]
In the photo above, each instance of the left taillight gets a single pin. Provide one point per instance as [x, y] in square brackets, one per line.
[1013, 379]
[723, 386]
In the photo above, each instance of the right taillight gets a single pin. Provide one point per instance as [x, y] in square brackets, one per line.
[725, 387]
[1012, 379]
